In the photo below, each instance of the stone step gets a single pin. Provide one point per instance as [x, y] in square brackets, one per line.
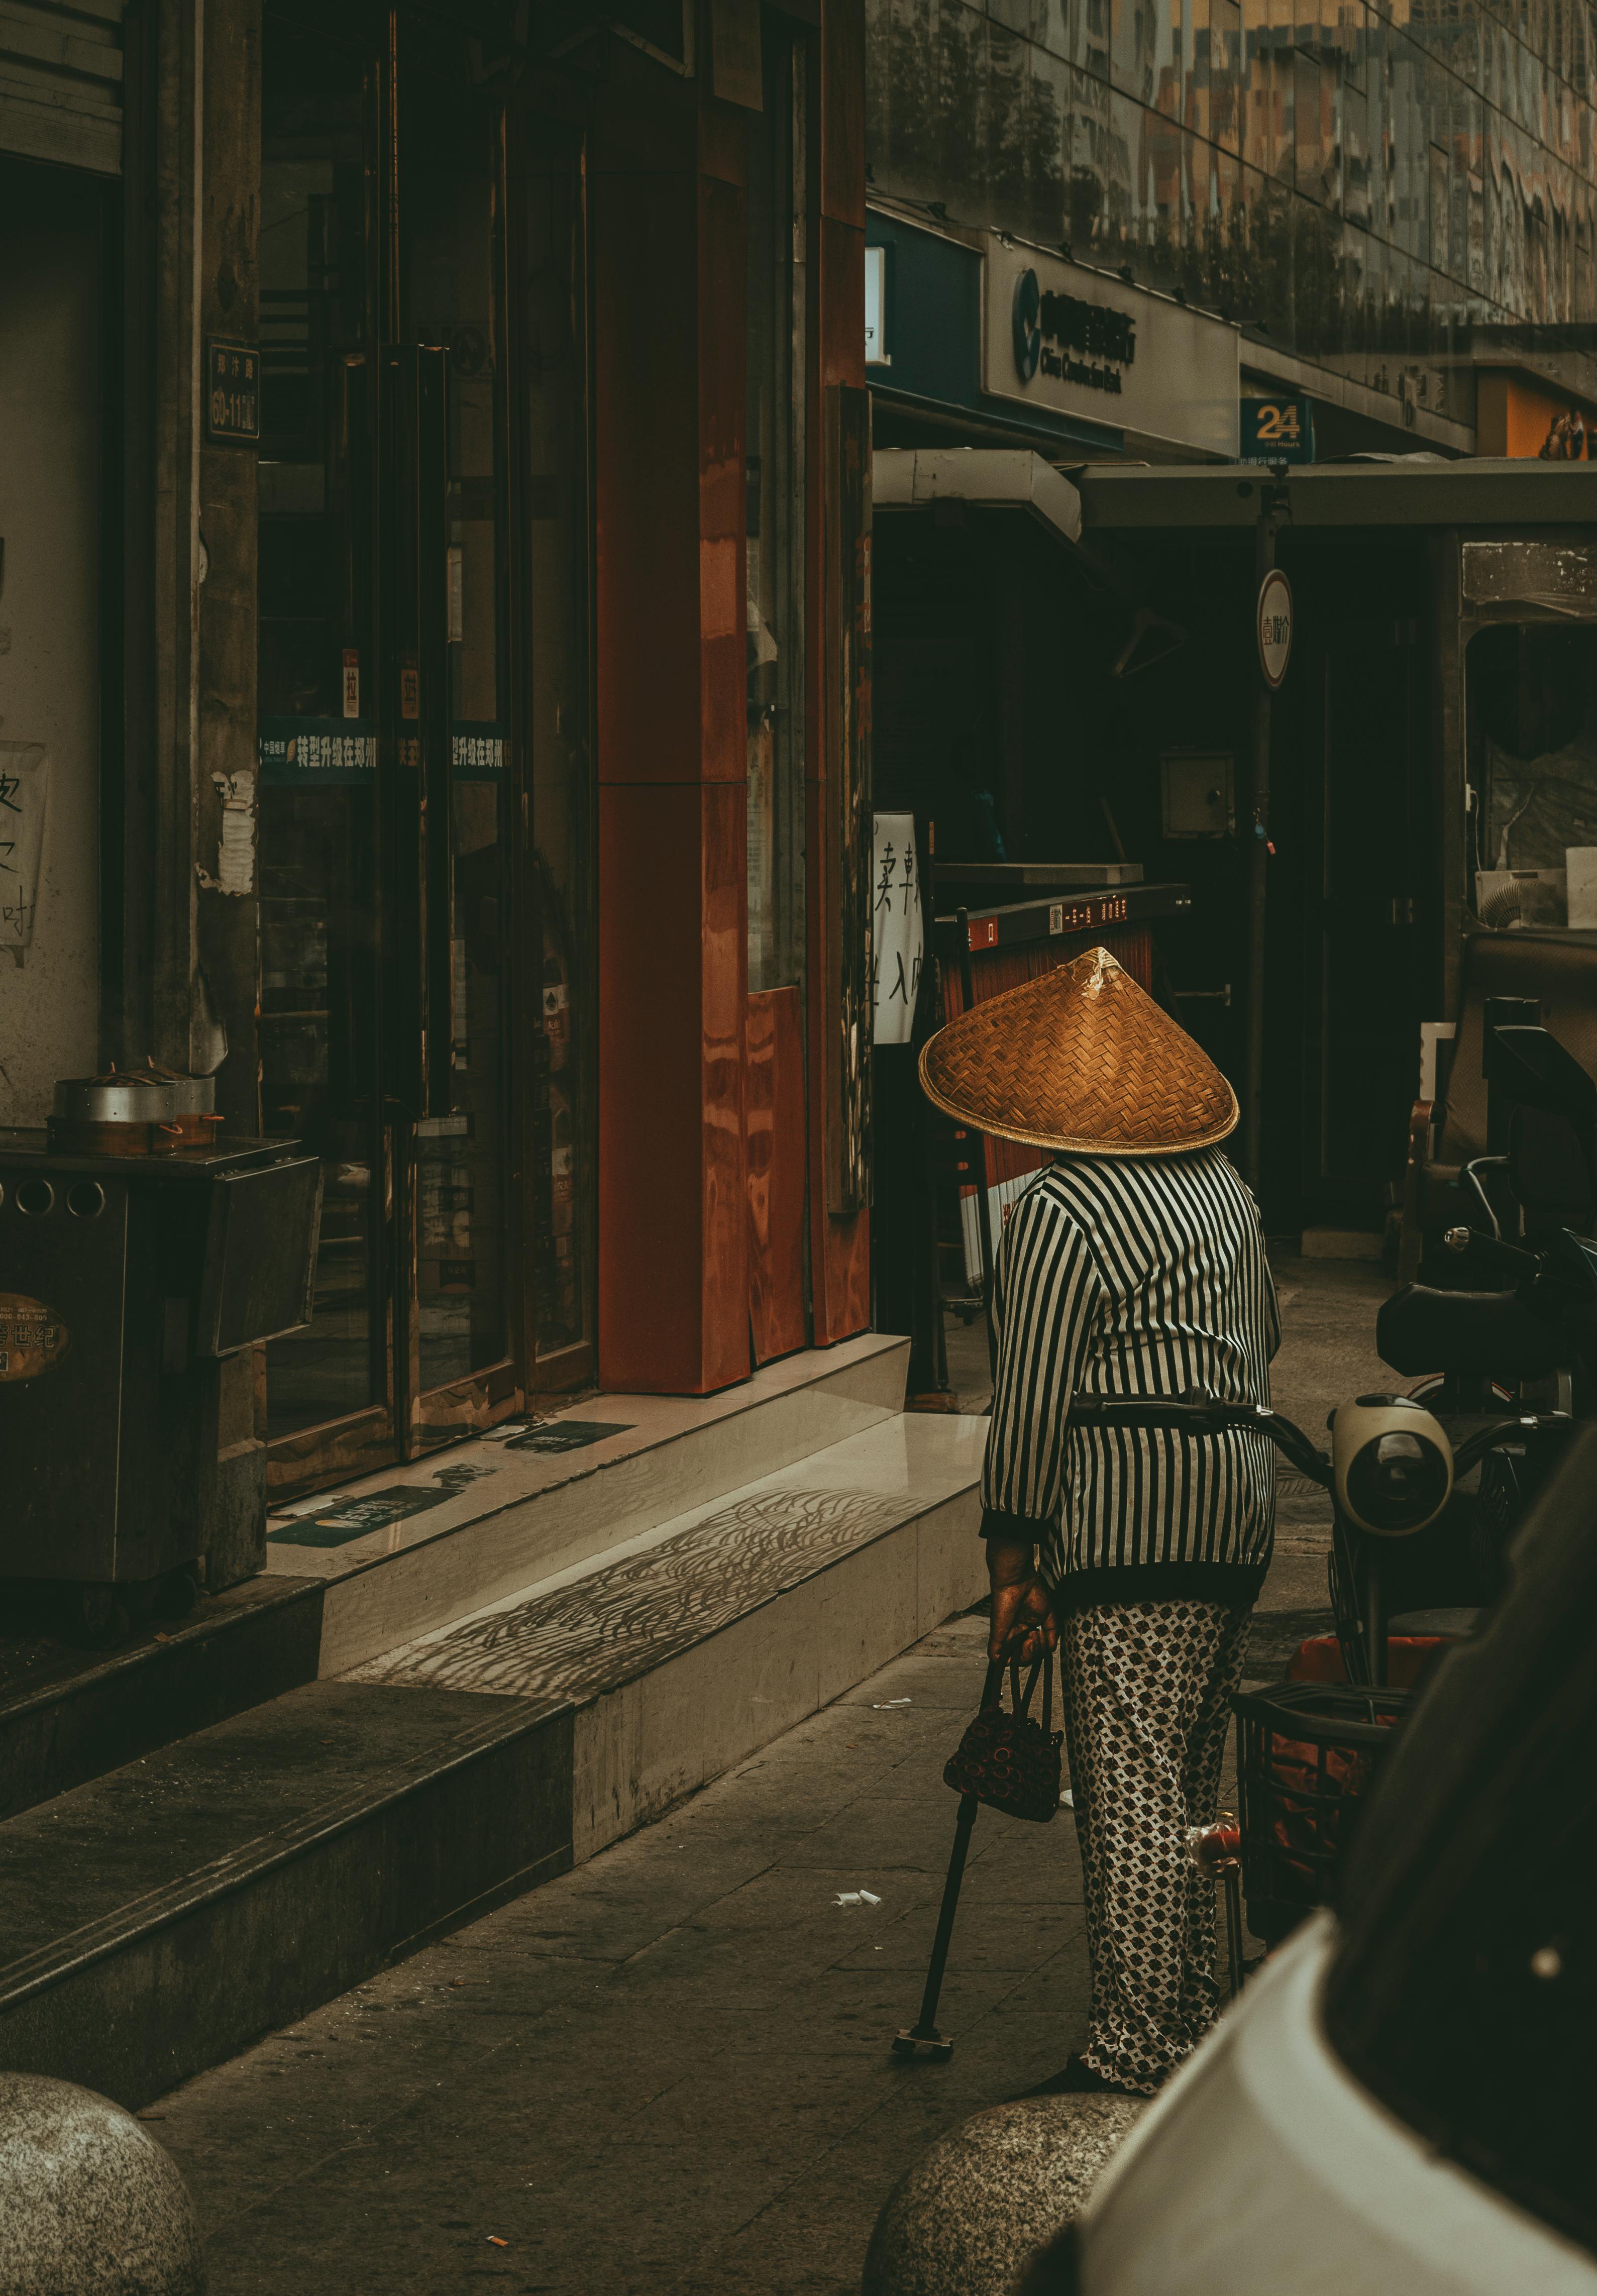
[69, 1715]
[157, 1918]
[160, 1918]
[421, 1545]
[351, 1572]
[712, 1634]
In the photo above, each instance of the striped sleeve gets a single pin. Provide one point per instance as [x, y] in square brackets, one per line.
[1047, 1293]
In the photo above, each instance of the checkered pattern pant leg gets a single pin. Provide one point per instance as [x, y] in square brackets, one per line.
[1149, 1691]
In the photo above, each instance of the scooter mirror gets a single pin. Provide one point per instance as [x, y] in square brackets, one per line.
[1393, 1464]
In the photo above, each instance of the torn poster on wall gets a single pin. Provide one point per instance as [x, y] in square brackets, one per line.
[235, 843]
[24, 793]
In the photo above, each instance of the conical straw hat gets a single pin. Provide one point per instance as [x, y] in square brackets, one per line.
[1083, 1060]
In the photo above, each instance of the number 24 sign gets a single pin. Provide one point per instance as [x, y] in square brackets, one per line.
[1277, 431]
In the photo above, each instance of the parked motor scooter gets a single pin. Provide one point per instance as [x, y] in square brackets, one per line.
[1390, 1472]
[1505, 1320]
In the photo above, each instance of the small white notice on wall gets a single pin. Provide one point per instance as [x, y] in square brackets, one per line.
[897, 929]
[24, 791]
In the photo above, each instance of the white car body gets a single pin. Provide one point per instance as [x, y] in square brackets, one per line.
[1265, 2169]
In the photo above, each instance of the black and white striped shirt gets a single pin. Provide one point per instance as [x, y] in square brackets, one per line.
[1122, 1275]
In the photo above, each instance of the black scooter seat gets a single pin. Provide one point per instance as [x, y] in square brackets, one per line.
[1420, 1330]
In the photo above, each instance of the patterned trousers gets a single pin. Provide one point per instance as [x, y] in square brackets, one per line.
[1148, 1691]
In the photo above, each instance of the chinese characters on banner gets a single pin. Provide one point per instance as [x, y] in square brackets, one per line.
[897, 930]
[24, 789]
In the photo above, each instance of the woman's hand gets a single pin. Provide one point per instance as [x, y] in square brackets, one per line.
[1023, 1620]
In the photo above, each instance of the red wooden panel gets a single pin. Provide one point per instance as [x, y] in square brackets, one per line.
[673, 1215]
[842, 299]
[645, 119]
[723, 414]
[843, 115]
[670, 391]
[722, 1055]
[839, 1247]
[647, 570]
[722, 137]
[775, 1132]
[651, 1251]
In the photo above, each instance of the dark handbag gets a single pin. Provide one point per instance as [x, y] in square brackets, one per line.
[1011, 1761]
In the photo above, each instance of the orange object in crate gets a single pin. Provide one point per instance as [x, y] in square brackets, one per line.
[1320, 1659]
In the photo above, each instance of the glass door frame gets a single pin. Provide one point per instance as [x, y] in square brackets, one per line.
[575, 1366]
[409, 1421]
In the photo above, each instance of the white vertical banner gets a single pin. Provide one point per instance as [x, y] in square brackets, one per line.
[897, 929]
[24, 794]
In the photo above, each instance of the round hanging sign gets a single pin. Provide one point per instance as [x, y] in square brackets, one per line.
[1274, 627]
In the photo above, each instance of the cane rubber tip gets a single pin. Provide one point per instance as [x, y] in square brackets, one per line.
[907, 2041]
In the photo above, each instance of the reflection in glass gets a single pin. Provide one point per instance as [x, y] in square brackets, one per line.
[548, 240]
[317, 818]
[461, 1158]
[1382, 195]
[1532, 731]
[774, 446]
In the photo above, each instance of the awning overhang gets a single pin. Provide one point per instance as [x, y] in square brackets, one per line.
[982, 477]
[1169, 497]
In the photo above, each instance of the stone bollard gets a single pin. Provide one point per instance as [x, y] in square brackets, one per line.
[90, 2205]
[969, 2215]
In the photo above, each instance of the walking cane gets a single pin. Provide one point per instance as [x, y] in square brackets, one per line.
[923, 2033]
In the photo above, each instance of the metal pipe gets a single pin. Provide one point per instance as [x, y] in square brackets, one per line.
[1231, 1875]
[1375, 1615]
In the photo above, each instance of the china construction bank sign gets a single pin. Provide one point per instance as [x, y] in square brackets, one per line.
[1065, 336]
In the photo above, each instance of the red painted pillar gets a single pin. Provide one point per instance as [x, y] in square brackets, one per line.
[668, 230]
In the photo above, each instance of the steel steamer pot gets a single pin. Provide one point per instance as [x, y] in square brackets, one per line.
[123, 1113]
[193, 1105]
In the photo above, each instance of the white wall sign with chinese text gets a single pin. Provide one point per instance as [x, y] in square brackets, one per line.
[897, 929]
[1274, 627]
[1074, 339]
[24, 793]
[876, 353]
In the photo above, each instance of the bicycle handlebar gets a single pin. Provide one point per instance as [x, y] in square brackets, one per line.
[1205, 1415]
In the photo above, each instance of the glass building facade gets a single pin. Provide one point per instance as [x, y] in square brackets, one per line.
[1387, 192]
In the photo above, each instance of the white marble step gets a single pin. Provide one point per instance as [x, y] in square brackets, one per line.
[417, 1545]
[689, 1646]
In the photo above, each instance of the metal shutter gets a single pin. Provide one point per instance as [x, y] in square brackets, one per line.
[60, 82]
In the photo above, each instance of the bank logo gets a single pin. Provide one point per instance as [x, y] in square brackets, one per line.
[1028, 326]
[1070, 340]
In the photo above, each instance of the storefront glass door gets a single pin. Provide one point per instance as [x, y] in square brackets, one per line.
[386, 762]
[319, 843]
[450, 246]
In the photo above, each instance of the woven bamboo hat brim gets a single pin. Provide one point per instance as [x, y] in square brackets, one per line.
[1082, 1060]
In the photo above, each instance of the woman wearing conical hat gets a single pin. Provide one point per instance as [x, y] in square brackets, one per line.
[1133, 1266]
